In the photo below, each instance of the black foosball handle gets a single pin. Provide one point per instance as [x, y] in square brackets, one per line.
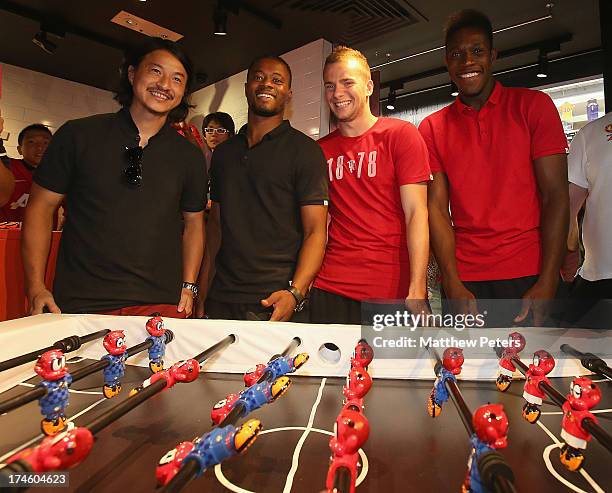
[17, 467]
[590, 361]
[495, 473]
[66, 345]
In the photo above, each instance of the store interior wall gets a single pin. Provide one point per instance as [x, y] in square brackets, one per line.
[307, 110]
[33, 97]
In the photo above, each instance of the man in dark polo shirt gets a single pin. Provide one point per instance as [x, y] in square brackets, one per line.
[498, 155]
[269, 193]
[128, 180]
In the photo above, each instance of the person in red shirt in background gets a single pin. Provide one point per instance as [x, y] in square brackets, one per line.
[378, 169]
[32, 144]
[499, 159]
[7, 180]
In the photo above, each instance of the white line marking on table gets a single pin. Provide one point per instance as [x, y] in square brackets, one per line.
[594, 411]
[38, 437]
[365, 464]
[551, 469]
[298, 448]
[88, 392]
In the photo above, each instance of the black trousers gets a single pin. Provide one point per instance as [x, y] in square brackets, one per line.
[590, 304]
[330, 308]
[501, 300]
[246, 311]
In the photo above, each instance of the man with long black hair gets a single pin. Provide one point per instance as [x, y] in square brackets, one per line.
[130, 183]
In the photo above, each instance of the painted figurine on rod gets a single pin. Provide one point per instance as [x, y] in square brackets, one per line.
[114, 343]
[490, 425]
[51, 367]
[452, 361]
[155, 328]
[506, 366]
[584, 395]
[543, 364]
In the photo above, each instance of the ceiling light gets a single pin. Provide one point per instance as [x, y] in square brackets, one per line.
[40, 40]
[220, 22]
[542, 65]
[454, 90]
[391, 100]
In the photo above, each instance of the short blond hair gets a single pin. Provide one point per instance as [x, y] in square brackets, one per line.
[341, 53]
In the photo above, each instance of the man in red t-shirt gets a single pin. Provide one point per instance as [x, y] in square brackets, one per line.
[499, 159]
[32, 144]
[378, 170]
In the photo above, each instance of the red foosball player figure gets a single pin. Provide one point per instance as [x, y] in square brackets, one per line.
[584, 395]
[358, 384]
[363, 355]
[352, 431]
[543, 364]
[181, 372]
[170, 463]
[55, 453]
[490, 425]
[506, 366]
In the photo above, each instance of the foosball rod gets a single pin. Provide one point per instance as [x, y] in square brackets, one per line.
[66, 345]
[214, 349]
[342, 480]
[189, 468]
[291, 347]
[589, 360]
[587, 423]
[500, 483]
[130, 403]
[38, 392]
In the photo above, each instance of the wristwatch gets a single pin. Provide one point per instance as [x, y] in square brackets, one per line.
[191, 287]
[300, 301]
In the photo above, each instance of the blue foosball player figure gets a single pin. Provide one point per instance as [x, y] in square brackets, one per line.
[114, 343]
[155, 328]
[452, 361]
[51, 367]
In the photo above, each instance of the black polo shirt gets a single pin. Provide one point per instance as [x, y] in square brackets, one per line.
[260, 191]
[120, 246]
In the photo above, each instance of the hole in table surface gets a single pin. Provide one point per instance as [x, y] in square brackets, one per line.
[330, 353]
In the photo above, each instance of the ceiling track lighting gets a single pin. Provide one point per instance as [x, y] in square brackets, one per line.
[391, 100]
[542, 65]
[220, 21]
[41, 40]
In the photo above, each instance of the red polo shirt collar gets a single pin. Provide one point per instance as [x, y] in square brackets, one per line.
[493, 99]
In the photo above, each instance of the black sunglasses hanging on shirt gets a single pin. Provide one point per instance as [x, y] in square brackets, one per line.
[133, 172]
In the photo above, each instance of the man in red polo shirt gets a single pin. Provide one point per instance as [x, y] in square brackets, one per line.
[378, 171]
[499, 158]
[32, 144]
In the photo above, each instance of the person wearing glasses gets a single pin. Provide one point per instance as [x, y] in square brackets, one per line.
[217, 127]
[269, 195]
[133, 240]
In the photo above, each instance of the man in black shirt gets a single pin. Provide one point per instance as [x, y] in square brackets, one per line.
[269, 193]
[128, 179]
